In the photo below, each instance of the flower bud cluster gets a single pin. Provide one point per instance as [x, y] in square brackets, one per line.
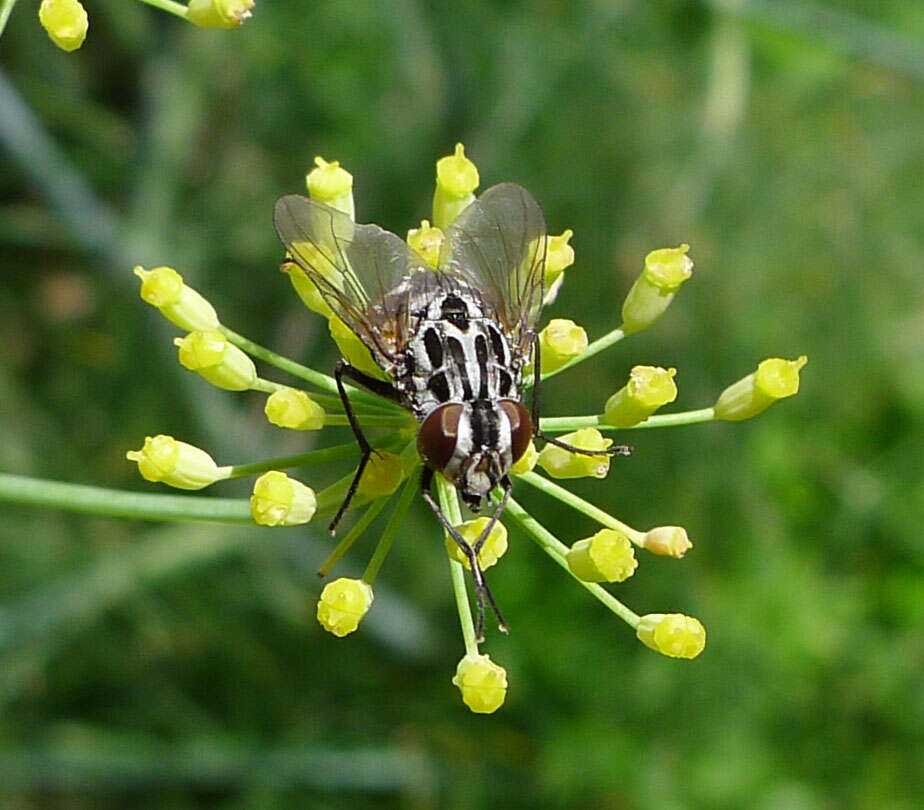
[180, 304]
[456, 181]
[495, 544]
[65, 22]
[278, 500]
[774, 379]
[331, 184]
[607, 556]
[218, 13]
[483, 683]
[665, 270]
[210, 354]
[672, 634]
[343, 604]
[427, 241]
[649, 388]
[561, 463]
[178, 464]
[559, 343]
[293, 409]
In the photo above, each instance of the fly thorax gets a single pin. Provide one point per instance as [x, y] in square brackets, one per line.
[458, 353]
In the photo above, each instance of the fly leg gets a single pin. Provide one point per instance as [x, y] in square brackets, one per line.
[615, 450]
[482, 591]
[507, 485]
[379, 387]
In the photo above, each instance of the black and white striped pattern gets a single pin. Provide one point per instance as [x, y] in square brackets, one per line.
[458, 353]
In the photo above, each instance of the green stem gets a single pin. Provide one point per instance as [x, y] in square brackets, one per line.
[266, 386]
[449, 502]
[563, 424]
[594, 348]
[371, 420]
[119, 503]
[586, 508]
[316, 378]
[312, 458]
[6, 6]
[21, 489]
[558, 551]
[391, 528]
[169, 6]
[353, 535]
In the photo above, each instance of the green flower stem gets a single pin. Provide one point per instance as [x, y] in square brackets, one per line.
[372, 420]
[313, 457]
[391, 528]
[353, 535]
[21, 489]
[563, 424]
[119, 503]
[266, 386]
[586, 508]
[449, 502]
[6, 6]
[594, 348]
[558, 551]
[169, 6]
[316, 378]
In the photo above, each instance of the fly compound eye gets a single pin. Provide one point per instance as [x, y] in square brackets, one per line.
[521, 427]
[436, 441]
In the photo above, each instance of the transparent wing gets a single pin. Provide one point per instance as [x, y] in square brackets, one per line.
[497, 246]
[360, 270]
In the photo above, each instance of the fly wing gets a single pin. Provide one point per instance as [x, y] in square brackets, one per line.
[360, 270]
[497, 246]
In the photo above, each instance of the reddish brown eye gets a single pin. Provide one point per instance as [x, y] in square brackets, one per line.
[436, 441]
[521, 427]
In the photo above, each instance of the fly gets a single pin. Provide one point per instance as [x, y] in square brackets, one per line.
[453, 341]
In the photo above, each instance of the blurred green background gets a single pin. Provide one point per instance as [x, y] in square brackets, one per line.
[175, 666]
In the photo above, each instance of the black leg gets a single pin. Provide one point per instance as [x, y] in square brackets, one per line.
[342, 370]
[502, 504]
[615, 450]
[482, 591]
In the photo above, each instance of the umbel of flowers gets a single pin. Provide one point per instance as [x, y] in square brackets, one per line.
[226, 359]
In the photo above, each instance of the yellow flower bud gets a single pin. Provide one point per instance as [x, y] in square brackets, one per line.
[354, 351]
[559, 256]
[560, 342]
[527, 460]
[427, 241]
[382, 475]
[218, 13]
[667, 541]
[672, 634]
[343, 604]
[307, 290]
[65, 22]
[178, 464]
[331, 184]
[607, 556]
[210, 354]
[649, 388]
[293, 409]
[163, 288]
[560, 463]
[483, 683]
[774, 379]
[456, 180]
[278, 500]
[495, 544]
[665, 270]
